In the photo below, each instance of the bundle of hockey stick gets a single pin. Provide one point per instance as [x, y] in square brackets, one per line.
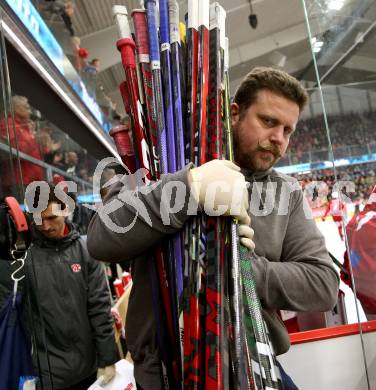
[210, 330]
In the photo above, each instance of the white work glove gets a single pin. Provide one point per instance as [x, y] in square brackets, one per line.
[106, 374]
[220, 189]
[246, 236]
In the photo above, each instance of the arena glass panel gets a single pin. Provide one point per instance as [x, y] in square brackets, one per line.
[343, 61]
[12, 185]
[309, 160]
[58, 16]
[33, 149]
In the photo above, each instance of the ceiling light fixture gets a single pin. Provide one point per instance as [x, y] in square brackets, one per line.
[316, 45]
[335, 5]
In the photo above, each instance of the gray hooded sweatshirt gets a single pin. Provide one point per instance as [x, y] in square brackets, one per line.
[293, 269]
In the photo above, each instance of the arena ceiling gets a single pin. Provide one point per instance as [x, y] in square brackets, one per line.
[348, 53]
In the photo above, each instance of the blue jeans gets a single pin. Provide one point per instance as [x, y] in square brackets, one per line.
[287, 382]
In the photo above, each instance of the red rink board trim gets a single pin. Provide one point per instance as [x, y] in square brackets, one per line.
[330, 333]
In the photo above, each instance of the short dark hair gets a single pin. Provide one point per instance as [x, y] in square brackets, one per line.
[271, 79]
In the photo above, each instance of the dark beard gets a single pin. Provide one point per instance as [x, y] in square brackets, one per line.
[247, 160]
[244, 160]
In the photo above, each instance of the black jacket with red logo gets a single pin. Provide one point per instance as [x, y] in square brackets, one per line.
[71, 310]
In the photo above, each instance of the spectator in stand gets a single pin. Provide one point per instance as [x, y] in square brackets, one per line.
[57, 160]
[80, 54]
[90, 74]
[47, 143]
[71, 163]
[345, 130]
[93, 66]
[67, 14]
[58, 15]
[56, 179]
[110, 107]
[22, 136]
[84, 174]
[362, 175]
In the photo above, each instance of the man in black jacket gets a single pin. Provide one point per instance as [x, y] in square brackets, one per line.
[75, 337]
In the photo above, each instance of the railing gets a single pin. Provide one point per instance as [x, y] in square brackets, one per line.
[50, 169]
[314, 156]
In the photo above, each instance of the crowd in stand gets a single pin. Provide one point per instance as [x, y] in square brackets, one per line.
[345, 130]
[47, 144]
[42, 141]
[358, 181]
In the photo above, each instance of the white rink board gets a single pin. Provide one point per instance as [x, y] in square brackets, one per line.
[332, 364]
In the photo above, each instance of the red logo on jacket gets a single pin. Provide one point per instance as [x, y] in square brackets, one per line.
[76, 267]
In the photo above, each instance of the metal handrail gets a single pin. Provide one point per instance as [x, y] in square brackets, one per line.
[7, 148]
[50, 168]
